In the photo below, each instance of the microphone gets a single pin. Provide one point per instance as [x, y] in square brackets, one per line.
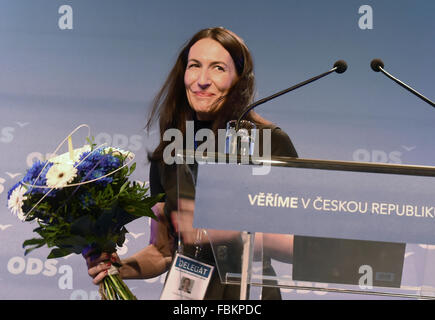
[340, 66]
[378, 65]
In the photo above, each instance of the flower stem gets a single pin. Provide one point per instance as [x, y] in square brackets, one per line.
[114, 288]
[121, 288]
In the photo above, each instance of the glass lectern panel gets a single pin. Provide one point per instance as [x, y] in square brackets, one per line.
[297, 249]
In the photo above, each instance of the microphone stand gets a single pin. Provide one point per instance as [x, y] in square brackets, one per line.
[339, 67]
[404, 85]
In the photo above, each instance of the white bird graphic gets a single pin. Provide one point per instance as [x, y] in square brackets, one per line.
[13, 175]
[4, 226]
[408, 148]
[408, 254]
[22, 124]
[136, 235]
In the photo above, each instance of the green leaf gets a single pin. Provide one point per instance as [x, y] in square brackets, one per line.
[123, 187]
[91, 142]
[105, 222]
[72, 241]
[132, 168]
[121, 237]
[82, 226]
[33, 241]
[59, 253]
[27, 251]
[36, 242]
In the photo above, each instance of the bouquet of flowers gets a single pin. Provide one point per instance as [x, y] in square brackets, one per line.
[82, 201]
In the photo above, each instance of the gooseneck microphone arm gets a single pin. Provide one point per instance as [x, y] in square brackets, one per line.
[377, 65]
[340, 66]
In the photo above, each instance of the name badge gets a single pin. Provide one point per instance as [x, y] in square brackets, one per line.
[188, 279]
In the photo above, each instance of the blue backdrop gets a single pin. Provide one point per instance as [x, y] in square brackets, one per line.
[102, 65]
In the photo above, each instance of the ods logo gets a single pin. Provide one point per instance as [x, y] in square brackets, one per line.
[34, 266]
[131, 143]
[363, 155]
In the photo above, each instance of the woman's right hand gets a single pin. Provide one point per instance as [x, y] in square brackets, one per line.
[98, 267]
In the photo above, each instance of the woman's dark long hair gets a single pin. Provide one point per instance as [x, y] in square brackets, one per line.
[171, 105]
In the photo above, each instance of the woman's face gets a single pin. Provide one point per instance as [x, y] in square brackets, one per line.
[209, 75]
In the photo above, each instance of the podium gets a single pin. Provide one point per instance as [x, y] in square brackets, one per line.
[306, 224]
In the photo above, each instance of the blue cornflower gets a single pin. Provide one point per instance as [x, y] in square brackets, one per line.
[97, 164]
[33, 173]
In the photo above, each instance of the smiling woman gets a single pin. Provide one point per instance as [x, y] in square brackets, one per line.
[213, 74]
[210, 74]
[211, 83]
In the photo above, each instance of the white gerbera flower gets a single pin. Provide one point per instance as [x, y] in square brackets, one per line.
[60, 174]
[15, 202]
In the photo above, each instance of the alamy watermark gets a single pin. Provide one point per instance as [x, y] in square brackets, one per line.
[241, 146]
[65, 21]
[365, 282]
[365, 22]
